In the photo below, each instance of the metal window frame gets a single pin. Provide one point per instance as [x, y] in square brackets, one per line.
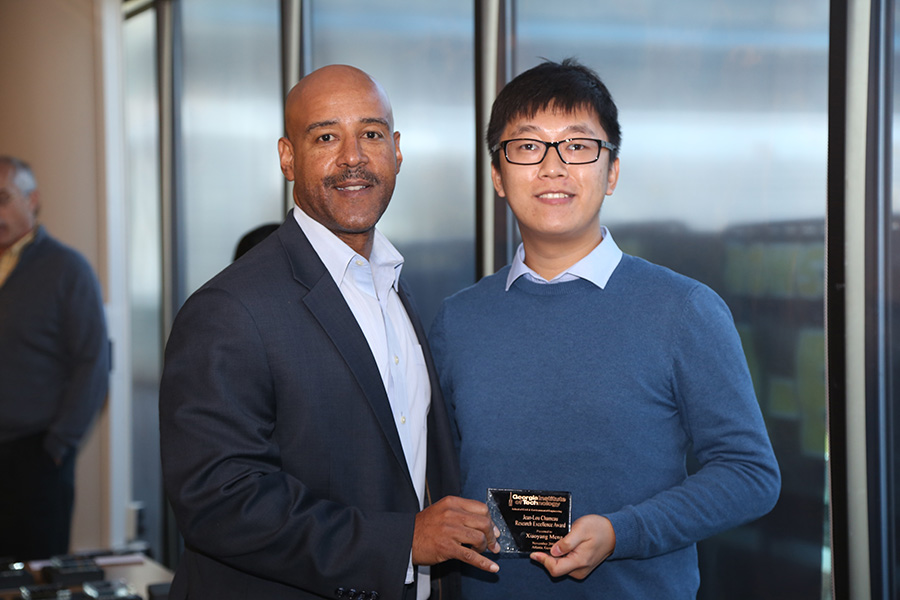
[296, 57]
[862, 459]
[494, 67]
[835, 299]
[877, 249]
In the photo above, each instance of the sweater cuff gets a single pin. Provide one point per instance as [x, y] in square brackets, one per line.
[56, 448]
[627, 534]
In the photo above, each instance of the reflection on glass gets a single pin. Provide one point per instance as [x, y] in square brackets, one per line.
[422, 53]
[144, 264]
[231, 122]
[723, 109]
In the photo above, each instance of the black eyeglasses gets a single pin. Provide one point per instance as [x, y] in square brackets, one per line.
[573, 151]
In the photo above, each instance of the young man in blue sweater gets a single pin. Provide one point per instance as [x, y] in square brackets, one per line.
[582, 369]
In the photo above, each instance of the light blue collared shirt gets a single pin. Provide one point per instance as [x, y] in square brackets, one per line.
[370, 288]
[597, 267]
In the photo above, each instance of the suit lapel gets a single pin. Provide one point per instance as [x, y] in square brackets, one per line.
[326, 303]
[420, 335]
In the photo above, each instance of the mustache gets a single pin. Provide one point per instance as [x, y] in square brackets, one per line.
[350, 174]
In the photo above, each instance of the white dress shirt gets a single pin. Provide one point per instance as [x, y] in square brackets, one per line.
[370, 287]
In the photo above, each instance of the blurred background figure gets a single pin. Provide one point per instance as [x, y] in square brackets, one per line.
[253, 237]
[54, 369]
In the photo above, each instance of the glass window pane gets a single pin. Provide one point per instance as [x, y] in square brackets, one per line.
[144, 265]
[231, 122]
[723, 108]
[422, 53]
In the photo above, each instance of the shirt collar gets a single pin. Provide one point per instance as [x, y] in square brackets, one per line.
[385, 260]
[597, 267]
[23, 241]
[10, 258]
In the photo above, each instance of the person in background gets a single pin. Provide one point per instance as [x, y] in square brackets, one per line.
[579, 368]
[252, 238]
[54, 371]
[306, 449]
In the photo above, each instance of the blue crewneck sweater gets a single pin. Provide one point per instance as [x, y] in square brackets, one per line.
[602, 392]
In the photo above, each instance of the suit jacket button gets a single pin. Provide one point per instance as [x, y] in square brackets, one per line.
[339, 593]
[352, 594]
[373, 595]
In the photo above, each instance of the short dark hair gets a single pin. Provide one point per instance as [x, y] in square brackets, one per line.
[566, 86]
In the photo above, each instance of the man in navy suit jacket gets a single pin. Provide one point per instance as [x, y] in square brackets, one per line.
[305, 444]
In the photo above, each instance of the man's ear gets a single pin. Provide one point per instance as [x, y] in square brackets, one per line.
[612, 177]
[34, 203]
[397, 150]
[286, 154]
[497, 178]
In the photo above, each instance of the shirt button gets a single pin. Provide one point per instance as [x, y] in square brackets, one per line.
[396, 360]
[403, 420]
[359, 263]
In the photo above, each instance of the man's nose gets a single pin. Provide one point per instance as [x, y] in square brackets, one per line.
[553, 165]
[351, 153]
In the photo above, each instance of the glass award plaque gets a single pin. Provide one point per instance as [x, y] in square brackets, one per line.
[529, 520]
